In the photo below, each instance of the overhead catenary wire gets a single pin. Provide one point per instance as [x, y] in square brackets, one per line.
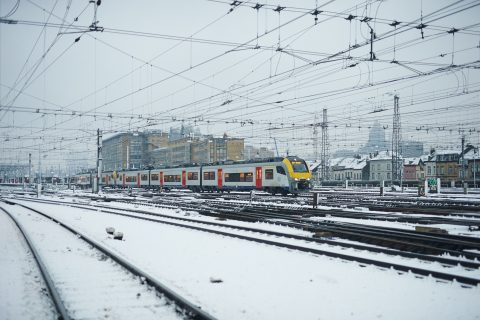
[233, 105]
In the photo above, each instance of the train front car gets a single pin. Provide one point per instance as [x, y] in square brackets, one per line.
[299, 175]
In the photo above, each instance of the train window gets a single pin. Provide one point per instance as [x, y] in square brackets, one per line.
[144, 177]
[268, 174]
[239, 177]
[131, 178]
[280, 170]
[209, 175]
[299, 166]
[192, 176]
[232, 177]
[154, 176]
[172, 178]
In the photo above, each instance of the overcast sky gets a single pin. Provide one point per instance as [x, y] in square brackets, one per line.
[254, 73]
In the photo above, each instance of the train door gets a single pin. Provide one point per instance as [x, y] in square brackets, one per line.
[220, 178]
[258, 177]
[184, 178]
[161, 178]
[123, 181]
[138, 179]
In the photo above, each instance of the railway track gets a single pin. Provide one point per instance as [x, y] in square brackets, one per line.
[86, 279]
[301, 218]
[426, 242]
[408, 204]
[266, 238]
[297, 206]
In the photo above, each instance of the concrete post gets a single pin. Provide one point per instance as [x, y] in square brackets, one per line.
[315, 200]
[439, 185]
[426, 187]
[382, 187]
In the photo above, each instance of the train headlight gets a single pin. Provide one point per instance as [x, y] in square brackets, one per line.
[296, 179]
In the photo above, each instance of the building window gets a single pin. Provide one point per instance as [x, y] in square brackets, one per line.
[429, 170]
[388, 175]
[268, 174]
[450, 170]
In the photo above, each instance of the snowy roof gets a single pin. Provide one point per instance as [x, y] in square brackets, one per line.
[470, 155]
[313, 165]
[349, 162]
[447, 151]
[412, 161]
[383, 155]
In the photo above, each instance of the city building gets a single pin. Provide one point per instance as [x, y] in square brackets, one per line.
[413, 169]
[349, 168]
[472, 164]
[131, 150]
[376, 140]
[200, 149]
[443, 164]
[411, 149]
[381, 166]
[14, 173]
[252, 152]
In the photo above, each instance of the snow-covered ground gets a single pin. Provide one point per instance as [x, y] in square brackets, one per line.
[22, 290]
[90, 284]
[266, 282]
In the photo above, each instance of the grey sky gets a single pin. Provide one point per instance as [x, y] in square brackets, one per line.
[163, 63]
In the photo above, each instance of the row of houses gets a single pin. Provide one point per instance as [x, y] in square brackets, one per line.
[376, 167]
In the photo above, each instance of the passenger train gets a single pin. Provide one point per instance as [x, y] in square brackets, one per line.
[274, 175]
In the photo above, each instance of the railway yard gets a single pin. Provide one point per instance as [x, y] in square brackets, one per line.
[169, 255]
[239, 160]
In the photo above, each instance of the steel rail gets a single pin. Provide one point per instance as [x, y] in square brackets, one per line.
[192, 311]
[60, 307]
[448, 261]
[360, 260]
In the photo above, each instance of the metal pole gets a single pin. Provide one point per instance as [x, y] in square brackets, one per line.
[100, 159]
[98, 178]
[29, 168]
[39, 182]
[474, 169]
[463, 161]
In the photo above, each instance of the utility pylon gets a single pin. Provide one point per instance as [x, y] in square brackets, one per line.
[98, 178]
[396, 142]
[325, 161]
[315, 143]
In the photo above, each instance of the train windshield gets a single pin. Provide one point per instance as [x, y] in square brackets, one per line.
[299, 166]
